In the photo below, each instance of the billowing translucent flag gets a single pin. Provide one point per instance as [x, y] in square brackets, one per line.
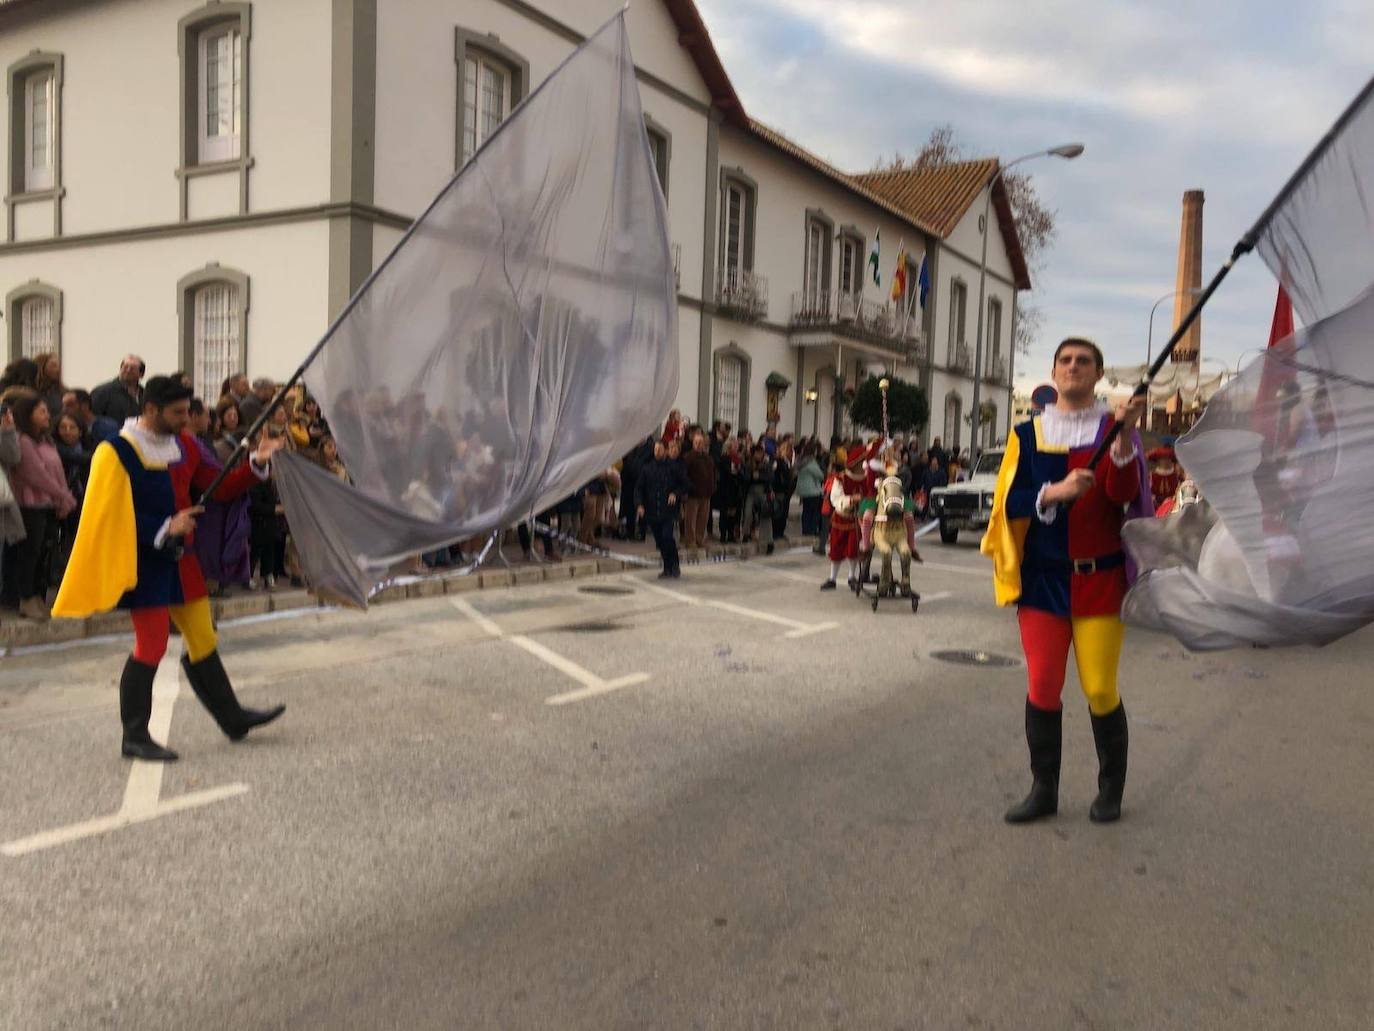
[517, 342]
[1281, 549]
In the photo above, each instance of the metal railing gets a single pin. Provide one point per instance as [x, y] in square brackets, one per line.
[742, 294]
[854, 315]
[959, 358]
[997, 371]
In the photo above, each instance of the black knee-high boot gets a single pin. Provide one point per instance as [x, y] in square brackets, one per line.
[1112, 738]
[212, 687]
[135, 709]
[1045, 736]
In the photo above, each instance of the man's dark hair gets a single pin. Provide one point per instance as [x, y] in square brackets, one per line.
[161, 391]
[1080, 342]
[197, 406]
[83, 397]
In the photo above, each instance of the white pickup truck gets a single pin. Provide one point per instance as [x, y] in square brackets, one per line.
[967, 505]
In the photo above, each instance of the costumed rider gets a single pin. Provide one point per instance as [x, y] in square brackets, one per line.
[133, 551]
[846, 494]
[1055, 541]
[879, 471]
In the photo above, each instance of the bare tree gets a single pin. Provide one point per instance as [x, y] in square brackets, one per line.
[1035, 222]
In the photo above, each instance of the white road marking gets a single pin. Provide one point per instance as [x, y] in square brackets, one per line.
[797, 630]
[123, 818]
[142, 793]
[145, 778]
[465, 607]
[937, 596]
[592, 685]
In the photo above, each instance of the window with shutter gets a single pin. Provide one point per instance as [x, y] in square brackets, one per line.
[218, 342]
[729, 380]
[486, 100]
[37, 327]
[221, 93]
[40, 130]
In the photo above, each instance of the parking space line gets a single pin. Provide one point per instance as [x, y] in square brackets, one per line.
[142, 794]
[592, 684]
[797, 629]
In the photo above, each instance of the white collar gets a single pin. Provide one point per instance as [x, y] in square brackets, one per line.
[1072, 428]
[153, 448]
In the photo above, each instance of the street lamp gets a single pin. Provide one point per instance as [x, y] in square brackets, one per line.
[1067, 151]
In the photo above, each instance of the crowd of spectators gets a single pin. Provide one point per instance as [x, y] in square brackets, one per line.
[49, 432]
[687, 484]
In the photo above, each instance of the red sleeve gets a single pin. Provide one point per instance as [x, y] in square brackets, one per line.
[236, 484]
[1122, 481]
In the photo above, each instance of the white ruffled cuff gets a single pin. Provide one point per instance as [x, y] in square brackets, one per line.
[1121, 463]
[1045, 515]
[162, 533]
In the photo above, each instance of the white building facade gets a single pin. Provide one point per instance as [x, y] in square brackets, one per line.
[205, 185]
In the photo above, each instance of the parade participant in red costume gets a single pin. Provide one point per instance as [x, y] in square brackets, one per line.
[846, 493]
[1055, 541]
[1164, 475]
[133, 550]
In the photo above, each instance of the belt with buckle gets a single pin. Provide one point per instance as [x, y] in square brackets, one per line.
[1097, 565]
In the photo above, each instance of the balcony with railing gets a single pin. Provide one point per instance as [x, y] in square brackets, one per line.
[854, 316]
[959, 359]
[741, 294]
[997, 370]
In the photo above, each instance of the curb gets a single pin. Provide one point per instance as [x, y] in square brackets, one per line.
[22, 633]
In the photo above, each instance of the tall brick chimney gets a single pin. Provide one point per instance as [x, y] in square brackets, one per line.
[1189, 349]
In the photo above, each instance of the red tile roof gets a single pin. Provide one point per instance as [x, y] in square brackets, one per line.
[941, 196]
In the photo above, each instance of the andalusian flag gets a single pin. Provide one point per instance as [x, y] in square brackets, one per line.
[899, 274]
[873, 255]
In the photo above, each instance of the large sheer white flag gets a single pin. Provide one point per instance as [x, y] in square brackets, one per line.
[1282, 551]
[518, 341]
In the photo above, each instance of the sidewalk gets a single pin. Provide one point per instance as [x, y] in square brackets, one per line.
[496, 572]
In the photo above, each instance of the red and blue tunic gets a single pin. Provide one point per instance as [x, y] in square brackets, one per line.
[168, 572]
[1067, 560]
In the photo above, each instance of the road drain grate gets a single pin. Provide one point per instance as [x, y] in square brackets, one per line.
[590, 627]
[968, 657]
[605, 589]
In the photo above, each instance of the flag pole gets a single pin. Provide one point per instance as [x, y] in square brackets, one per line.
[1243, 246]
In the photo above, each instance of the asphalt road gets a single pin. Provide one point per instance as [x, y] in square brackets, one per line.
[750, 804]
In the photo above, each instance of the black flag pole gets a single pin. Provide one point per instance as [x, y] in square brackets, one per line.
[1243, 246]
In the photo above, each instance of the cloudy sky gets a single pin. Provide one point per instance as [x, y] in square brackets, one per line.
[1225, 96]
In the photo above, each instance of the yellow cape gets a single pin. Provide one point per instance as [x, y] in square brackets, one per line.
[104, 562]
[1005, 540]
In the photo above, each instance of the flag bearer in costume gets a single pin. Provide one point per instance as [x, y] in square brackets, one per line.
[133, 551]
[1055, 542]
[846, 493]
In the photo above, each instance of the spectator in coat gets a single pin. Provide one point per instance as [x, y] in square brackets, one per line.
[730, 488]
[701, 478]
[40, 486]
[95, 429]
[661, 488]
[11, 520]
[631, 468]
[810, 477]
[48, 383]
[784, 484]
[759, 497]
[121, 399]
